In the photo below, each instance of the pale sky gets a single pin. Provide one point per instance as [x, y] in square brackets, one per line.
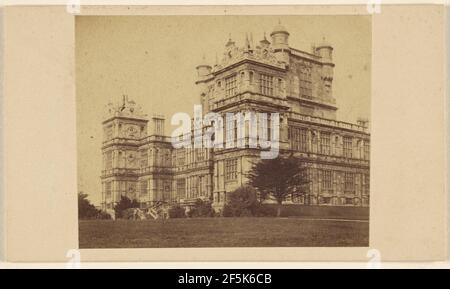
[152, 59]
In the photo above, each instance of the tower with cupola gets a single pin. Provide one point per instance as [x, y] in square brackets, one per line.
[123, 128]
[325, 51]
[280, 43]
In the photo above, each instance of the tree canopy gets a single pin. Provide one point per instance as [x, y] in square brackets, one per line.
[242, 202]
[86, 210]
[124, 204]
[279, 178]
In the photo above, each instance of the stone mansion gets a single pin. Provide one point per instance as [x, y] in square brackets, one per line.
[139, 160]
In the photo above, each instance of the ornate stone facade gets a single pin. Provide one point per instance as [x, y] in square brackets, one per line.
[269, 77]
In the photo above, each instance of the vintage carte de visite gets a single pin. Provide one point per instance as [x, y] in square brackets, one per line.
[240, 134]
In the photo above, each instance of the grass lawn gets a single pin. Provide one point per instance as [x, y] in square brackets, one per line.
[223, 232]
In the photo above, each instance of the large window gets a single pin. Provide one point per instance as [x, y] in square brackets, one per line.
[181, 188]
[193, 181]
[348, 144]
[108, 189]
[349, 182]
[266, 84]
[366, 150]
[108, 160]
[202, 185]
[230, 86]
[231, 131]
[231, 170]
[305, 83]
[181, 157]
[366, 184]
[298, 138]
[200, 154]
[327, 181]
[325, 143]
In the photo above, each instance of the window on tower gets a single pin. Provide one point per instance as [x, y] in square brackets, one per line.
[108, 189]
[366, 184]
[298, 139]
[108, 161]
[348, 143]
[325, 143]
[231, 131]
[305, 83]
[200, 154]
[327, 181]
[266, 84]
[201, 183]
[230, 169]
[230, 86]
[194, 187]
[349, 183]
[366, 150]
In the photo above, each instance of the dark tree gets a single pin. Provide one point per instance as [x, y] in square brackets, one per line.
[86, 210]
[242, 202]
[279, 178]
[124, 204]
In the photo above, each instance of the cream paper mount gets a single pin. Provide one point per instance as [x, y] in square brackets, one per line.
[60, 77]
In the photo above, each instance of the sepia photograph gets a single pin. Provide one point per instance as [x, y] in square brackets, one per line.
[214, 142]
[223, 131]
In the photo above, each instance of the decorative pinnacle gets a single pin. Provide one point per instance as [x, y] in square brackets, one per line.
[230, 41]
[124, 101]
[265, 41]
[247, 42]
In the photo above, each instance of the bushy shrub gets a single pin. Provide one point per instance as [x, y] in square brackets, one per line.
[242, 202]
[133, 214]
[103, 216]
[177, 212]
[201, 209]
[124, 204]
[228, 211]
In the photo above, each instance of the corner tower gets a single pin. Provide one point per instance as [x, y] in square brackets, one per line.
[280, 43]
[123, 128]
[325, 51]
